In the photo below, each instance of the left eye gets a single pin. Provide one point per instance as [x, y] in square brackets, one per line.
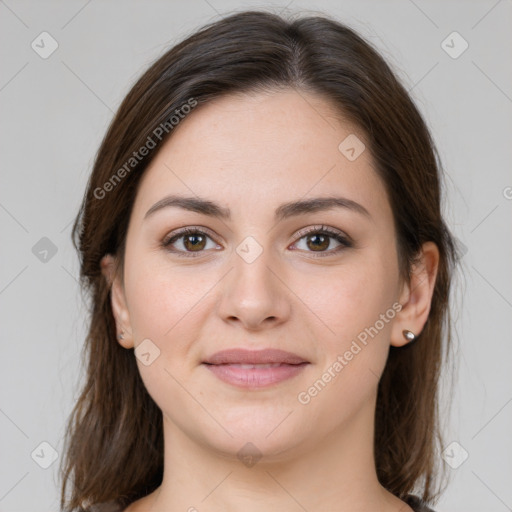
[318, 240]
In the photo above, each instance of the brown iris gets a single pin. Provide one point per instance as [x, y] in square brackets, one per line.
[194, 242]
[324, 242]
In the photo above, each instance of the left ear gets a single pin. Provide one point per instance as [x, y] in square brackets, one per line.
[416, 296]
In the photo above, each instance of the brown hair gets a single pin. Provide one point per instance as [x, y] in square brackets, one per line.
[114, 439]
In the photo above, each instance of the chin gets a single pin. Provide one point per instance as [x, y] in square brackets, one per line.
[253, 447]
[271, 434]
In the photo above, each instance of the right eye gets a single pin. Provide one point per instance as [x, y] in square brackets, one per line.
[192, 240]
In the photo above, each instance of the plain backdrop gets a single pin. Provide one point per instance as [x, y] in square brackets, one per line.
[57, 98]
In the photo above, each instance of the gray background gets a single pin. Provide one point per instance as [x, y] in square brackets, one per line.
[54, 113]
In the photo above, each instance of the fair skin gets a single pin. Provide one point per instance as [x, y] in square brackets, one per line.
[251, 153]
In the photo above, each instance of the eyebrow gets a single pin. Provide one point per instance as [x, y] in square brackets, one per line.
[284, 211]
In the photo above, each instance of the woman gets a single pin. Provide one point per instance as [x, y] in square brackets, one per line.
[269, 272]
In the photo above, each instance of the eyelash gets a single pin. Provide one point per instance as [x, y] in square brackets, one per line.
[317, 230]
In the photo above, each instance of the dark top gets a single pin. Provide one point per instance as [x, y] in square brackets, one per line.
[417, 504]
[413, 501]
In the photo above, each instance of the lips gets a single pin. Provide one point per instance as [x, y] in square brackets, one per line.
[254, 357]
[255, 369]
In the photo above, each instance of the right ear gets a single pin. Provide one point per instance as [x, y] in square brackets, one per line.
[117, 300]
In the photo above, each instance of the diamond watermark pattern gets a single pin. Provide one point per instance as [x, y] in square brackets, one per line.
[44, 455]
[351, 147]
[249, 455]
[146, 352]
[44, 250]
[249, 249]
[455, 455]
[462, 249]
[454, 45]
[44, 45]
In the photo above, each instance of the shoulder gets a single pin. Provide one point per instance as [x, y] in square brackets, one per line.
[417, 504]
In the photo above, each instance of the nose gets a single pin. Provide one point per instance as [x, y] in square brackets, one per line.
[255, 294]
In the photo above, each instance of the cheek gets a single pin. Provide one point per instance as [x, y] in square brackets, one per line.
[162, 299]
[152, 306]
[354, 348]
[354, 299]
[356, 309]
[166, 306]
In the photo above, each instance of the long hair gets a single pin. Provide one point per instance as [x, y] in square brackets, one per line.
[114, 438]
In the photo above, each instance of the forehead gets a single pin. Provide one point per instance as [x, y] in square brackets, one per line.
[250, 150]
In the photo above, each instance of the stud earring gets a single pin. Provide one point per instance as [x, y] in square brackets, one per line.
[121, 335]
[409, 335]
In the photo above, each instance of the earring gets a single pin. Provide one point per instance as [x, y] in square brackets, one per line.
[121, 335]
[409, 335]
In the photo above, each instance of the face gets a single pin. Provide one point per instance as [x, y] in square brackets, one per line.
[320, 282]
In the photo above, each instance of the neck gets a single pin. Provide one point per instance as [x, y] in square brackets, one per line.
[336, 472]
